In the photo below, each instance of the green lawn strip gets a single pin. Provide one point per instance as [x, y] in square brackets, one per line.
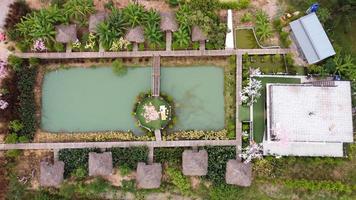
[259, 106]
[245, 39]
[244, 114]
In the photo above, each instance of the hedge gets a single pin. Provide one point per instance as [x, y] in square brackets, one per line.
[129, 156]
[27, 107]
[217, 159]
[171, 155]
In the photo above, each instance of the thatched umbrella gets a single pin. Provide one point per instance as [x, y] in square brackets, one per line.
[66, 33]
[135, 35]
[51, 175]
[199, 36]
[238, 173]
[195, 163]
[168, 25]
[96, 19]
[148, 176]
[100, 164]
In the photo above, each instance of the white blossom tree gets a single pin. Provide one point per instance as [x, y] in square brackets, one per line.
[251, 92]
[253, 151]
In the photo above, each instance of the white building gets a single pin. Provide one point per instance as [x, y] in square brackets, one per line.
[308, 120]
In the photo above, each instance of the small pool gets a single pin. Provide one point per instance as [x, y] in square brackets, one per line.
[245, 39]
[95, 99]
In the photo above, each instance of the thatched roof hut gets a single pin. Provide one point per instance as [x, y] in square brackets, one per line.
[135, 35]
[100, 164]
[148, 176]
[66, 33]
[198, 34]
[96, 19]
[51, 175]
[238, 173]
[195, 163]
[168, 21]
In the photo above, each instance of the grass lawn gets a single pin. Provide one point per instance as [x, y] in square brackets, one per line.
[244, 114]
[245, 39]
[259, 106]
[269, 64]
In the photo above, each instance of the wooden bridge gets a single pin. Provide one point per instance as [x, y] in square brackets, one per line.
[156, 76]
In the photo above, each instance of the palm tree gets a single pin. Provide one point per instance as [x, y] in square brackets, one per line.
[181, 37]
[152, 17]
[153, 34]
[106, 35]
[117, 22]
[263, 32]
[344, 65]
[134, 13]
[78, 10]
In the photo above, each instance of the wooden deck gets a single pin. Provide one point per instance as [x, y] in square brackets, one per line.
[156, 76]
[138, 54]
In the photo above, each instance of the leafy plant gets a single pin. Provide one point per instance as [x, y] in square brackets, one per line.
[16, 126]
[153, 35]
[134, 14]
[173, 3]
[152, 18]
[78, 10]
[125, 170]
[118, 68]
[247, 17]
[15, 62]
[179, 180]
[181, 38]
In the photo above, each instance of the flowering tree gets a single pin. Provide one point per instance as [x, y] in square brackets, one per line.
[2, 37]
[39, 45]
[251, 92]
[250, 152]
[254, 72]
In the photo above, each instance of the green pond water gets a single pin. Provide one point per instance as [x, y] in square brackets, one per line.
[83, 100]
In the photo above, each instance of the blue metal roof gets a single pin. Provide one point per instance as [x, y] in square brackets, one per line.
[312, 38]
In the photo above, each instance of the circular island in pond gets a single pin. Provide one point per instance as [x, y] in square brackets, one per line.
[153, 113]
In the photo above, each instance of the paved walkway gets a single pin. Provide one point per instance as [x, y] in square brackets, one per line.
[238, 123]
[138, 54]
[124, 144]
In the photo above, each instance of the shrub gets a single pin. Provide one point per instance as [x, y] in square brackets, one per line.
[25, 85]
[15, 62]
[16, 11]
[34, 62]
[125, 170]
[16, 190]
[59, 47]
[128, 185]
[15, 126]
[79, 173]
[98, 186]
[237, 4]
[78, 10]
[179, 180]
[224, 192]
[23, 139]
[217, 159]
[11, 138]
[118, 68]
[173, 3]
[247, 17]
[172, 155]
[14, 153]
[129, 156]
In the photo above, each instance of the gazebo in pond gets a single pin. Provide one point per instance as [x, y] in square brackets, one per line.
[66, 34]
[148, 176]
[238, 173]
[136, 36]
[96, 19]
[100, 164]
[195, 163]
[51, 174]
[199, 36]
[168, 25]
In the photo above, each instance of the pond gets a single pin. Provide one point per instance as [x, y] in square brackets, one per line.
[245, 39]
[95, 99]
